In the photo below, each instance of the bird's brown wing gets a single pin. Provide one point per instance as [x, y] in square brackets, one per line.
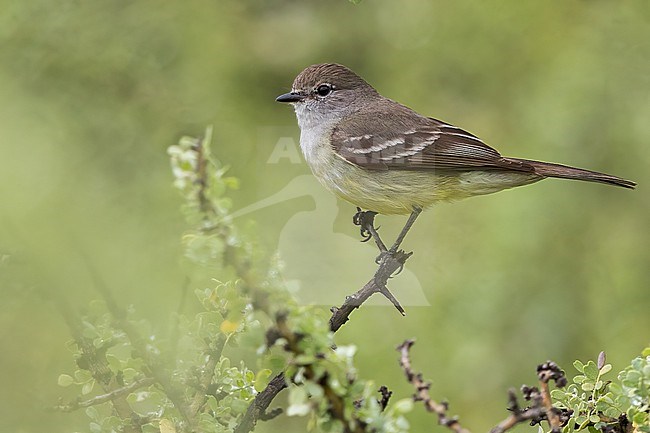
[400, 139]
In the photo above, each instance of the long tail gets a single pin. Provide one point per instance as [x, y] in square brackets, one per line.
[548, 169]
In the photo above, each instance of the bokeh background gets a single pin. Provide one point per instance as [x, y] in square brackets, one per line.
[92, 94]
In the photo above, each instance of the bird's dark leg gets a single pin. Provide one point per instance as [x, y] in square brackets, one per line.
[414, 215]
[391, 262]
[366, 221]
[394, 249]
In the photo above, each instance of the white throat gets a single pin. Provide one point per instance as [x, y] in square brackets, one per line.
[315, 132]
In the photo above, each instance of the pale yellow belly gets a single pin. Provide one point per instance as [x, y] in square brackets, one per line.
[399, 191]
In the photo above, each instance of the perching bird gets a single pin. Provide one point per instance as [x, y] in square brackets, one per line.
[382, 156]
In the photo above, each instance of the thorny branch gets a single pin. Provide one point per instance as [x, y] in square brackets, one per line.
[388, 265]
[422, 390]
[539, 409]
[533, 414]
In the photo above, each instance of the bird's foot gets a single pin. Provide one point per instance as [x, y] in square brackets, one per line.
[399, 256]
[366, 222]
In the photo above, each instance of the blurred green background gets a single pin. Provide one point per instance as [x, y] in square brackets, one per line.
[92, 94]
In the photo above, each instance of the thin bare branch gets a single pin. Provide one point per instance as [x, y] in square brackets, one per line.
[109, 396]
[388, 265]
[422, 390]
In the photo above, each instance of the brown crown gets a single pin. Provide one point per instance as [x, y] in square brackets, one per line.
[331, 73]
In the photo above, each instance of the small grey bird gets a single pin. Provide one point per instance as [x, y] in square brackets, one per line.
[382, 156]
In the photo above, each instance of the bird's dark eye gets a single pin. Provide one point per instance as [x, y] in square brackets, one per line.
[324, 90]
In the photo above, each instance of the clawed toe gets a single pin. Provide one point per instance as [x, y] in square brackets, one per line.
[400, 256]
[365, 220]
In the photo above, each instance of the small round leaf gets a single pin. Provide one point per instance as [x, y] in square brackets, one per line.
[65, 380]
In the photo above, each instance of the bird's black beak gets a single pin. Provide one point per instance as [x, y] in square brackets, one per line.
[291, 97]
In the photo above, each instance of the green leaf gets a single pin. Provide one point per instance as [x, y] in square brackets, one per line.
[297, 395]
[212, 404]
[615, 388]
[639, 418]
[301, 409]
[239, 406]
[607, 399]
[579, 378]
[65, 380]
[606, 369]
[402, 424]
[646, 371]
[632, 378]
[587, 386]
[612, 412]
[92, 413]
[113, 362]
[276, 362]
[82, 376]
[166, 426]
[130, 374]
[262, 379]
[305, 359]
[404, 405]
[578, 365]
[591, 371]
[346, 351]
[88, 387]
[637, 363]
